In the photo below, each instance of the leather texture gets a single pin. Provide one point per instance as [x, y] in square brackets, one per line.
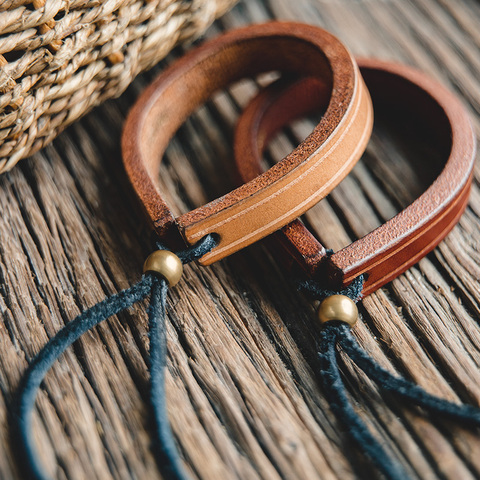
[271, 199]
[402, 241]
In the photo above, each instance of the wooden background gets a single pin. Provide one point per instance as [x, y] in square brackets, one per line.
[243, 392]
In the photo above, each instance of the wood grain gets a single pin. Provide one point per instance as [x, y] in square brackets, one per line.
[243, 392]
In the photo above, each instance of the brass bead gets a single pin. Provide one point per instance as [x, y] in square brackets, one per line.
[166, 264]
[338, 307]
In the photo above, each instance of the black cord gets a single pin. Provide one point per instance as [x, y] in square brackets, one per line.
[166, 451]
[151, 284]
[337, 336]
[336, 394]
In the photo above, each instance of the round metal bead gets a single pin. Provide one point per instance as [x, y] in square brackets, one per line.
[164, 263]
[337, 307]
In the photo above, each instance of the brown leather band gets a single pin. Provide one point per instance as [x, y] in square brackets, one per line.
[403, 240]
[292, 186]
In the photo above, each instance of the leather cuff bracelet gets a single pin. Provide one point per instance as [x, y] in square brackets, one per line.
[276, 197]
[403, 240]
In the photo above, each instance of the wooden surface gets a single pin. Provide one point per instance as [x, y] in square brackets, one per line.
[244, 398]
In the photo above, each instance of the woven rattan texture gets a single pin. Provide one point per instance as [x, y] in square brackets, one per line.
[60, 58]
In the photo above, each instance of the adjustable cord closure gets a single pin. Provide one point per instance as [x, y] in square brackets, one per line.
[162, 269]
[336, 315]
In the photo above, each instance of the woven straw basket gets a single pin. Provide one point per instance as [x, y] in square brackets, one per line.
[60, 58]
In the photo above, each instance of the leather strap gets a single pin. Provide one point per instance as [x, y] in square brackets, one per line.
[292, 186]
[402, 241]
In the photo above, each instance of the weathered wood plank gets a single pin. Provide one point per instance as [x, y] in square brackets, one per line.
[243, 390]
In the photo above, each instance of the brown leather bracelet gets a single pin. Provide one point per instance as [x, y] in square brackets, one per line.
[292, 186]
[403, 240]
